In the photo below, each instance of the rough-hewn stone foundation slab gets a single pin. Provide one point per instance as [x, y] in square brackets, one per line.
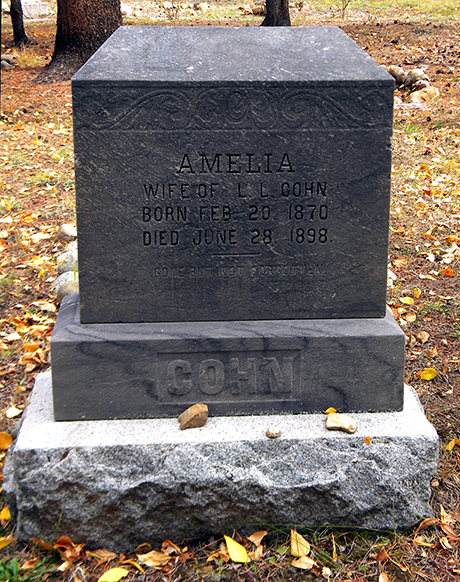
[114, 484]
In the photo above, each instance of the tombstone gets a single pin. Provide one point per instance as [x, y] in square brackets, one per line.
[34, 9]
[233, 190]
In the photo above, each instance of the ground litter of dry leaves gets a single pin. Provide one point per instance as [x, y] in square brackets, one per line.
[36, 162]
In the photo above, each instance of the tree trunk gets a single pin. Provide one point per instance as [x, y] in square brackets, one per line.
[277, 13]
[20, 37]
[82, 26]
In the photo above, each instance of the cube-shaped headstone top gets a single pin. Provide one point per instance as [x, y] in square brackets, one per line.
[232, 174]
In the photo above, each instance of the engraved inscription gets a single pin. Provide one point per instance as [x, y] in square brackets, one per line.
[236, 163]
[228, 376]
[236, 212]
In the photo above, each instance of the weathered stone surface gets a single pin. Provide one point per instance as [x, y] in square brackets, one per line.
[114, 484]
[246, 176]
[68, 276]
[67, 261]
[103, 371]
[193, 417]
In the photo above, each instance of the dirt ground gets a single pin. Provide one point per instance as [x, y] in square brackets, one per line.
[424, 258]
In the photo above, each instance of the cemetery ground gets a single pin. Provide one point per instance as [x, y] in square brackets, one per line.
[36, 162]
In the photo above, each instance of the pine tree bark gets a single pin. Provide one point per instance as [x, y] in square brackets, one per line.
[277, 13]
[82, 26]
[20, 37]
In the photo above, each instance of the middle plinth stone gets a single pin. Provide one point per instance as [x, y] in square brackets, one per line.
[148, 370]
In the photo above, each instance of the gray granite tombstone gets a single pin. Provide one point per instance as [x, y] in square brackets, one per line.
[234, 174]
[233, 191]
[232, 202]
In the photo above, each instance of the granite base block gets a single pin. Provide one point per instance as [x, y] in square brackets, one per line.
[151, 370]
[114, 484]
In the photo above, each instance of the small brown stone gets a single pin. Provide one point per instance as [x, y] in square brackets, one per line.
[65, 289]
[66, 233]
[344, 422]
[423, 95]
[194, 417]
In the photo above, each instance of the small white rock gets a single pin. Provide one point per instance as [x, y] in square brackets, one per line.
[67, 261]
[426, 94]
[415, 75]
[421, 84]
[398, 73]
[336, 421]
[273, 431]
[125, 9]
[69, 276]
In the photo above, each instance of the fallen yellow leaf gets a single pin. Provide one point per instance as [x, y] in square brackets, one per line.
[223, 552]
[153, 559]
[257, 537]
[407, 300]
[143, 548]
[236, 551]
[420, 541]
[452, 444]
[445, 543]
[5, 440]
[427, 374]
[423, 336]
[5, 541]
[44, 305]
[416, 292]
[31, 347]
[299, 545]
[410, 317]
[400, 262]
[135, 565]
[103, 555]
[170, 547]
[304, 563]
[5, 515]
[43, 544]
[30, 564]
[113, 575]
[446, 517]
[12, 412]
[64, 566]
[330, 410]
